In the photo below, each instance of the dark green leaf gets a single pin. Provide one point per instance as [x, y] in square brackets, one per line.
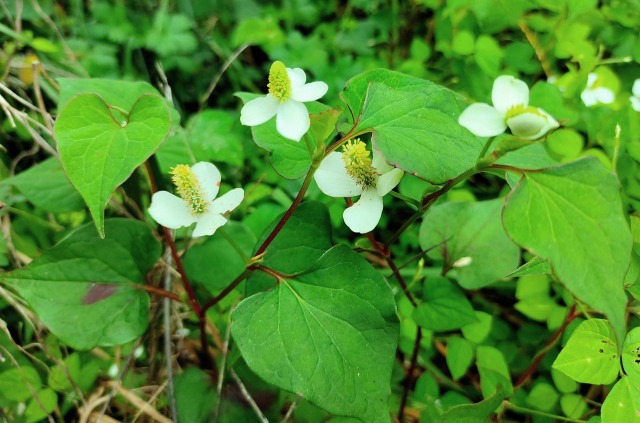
[83, 288]
[572, 216]
[46, 186]
[329, 334]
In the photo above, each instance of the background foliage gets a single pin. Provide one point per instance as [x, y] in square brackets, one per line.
[475, 336]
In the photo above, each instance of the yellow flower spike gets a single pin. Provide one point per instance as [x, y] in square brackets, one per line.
[189, 189]
[279, 82]
[358, 163]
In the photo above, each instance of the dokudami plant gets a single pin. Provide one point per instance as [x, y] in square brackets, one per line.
[321, 316]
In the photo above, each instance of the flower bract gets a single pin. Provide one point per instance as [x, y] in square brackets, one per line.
[635, 98]
[197, 187]
[288, 91]
[510, 109]
[594, 93]
[353, 173]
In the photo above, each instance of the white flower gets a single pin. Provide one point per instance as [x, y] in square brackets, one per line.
[594, 94]
[510, 98]
[287, 93]
[352, 173]
[635, 98]
[197, 186]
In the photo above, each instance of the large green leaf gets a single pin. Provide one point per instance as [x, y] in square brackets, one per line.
[329, 334]
[420, 140]
[470, 230]
[422, 93]
[46, 186]
[571, 215]
[118, 93]
[303, 239]
[591, 354]
[623, 402]
[83, 289]
[100, 146]
[414, 123]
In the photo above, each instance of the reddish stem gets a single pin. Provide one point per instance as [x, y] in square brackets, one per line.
[412, 366]
[207, 362]
[159, 292]
[287, 215]
[227, 290]
[536, 361]
[400, 279]
[193, 301]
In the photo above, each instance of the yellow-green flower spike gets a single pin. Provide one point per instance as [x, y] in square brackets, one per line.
[279, 82]
[358, 163]
[520, 109]
[189, 188]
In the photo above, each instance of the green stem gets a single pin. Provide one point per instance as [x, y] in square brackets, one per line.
[409, 200]
[233, 244]
[485, 148]
[522, 410]
[307, 141]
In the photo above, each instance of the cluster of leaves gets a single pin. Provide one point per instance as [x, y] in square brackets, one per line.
[284, 313]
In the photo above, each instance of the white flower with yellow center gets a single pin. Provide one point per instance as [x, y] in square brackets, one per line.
[197, 186]
[287, 93]
[511, 109]
[595, 93]
[352, 173]
[635, 98]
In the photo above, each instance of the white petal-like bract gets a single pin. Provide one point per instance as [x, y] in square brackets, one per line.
[259, 110]
[508, 92]
[170, 211]
[332, 177]
[531, 126]
[292, 120]
[365, 214]
[201, 205]
[483, 120]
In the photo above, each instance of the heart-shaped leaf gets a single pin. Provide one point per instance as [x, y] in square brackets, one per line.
[84, 290]
[328, 333]
[591, 354]
[101, 146]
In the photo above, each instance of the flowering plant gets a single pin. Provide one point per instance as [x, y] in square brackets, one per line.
[197, 203]
[385, 245]
[288, 91]
[511, 110]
